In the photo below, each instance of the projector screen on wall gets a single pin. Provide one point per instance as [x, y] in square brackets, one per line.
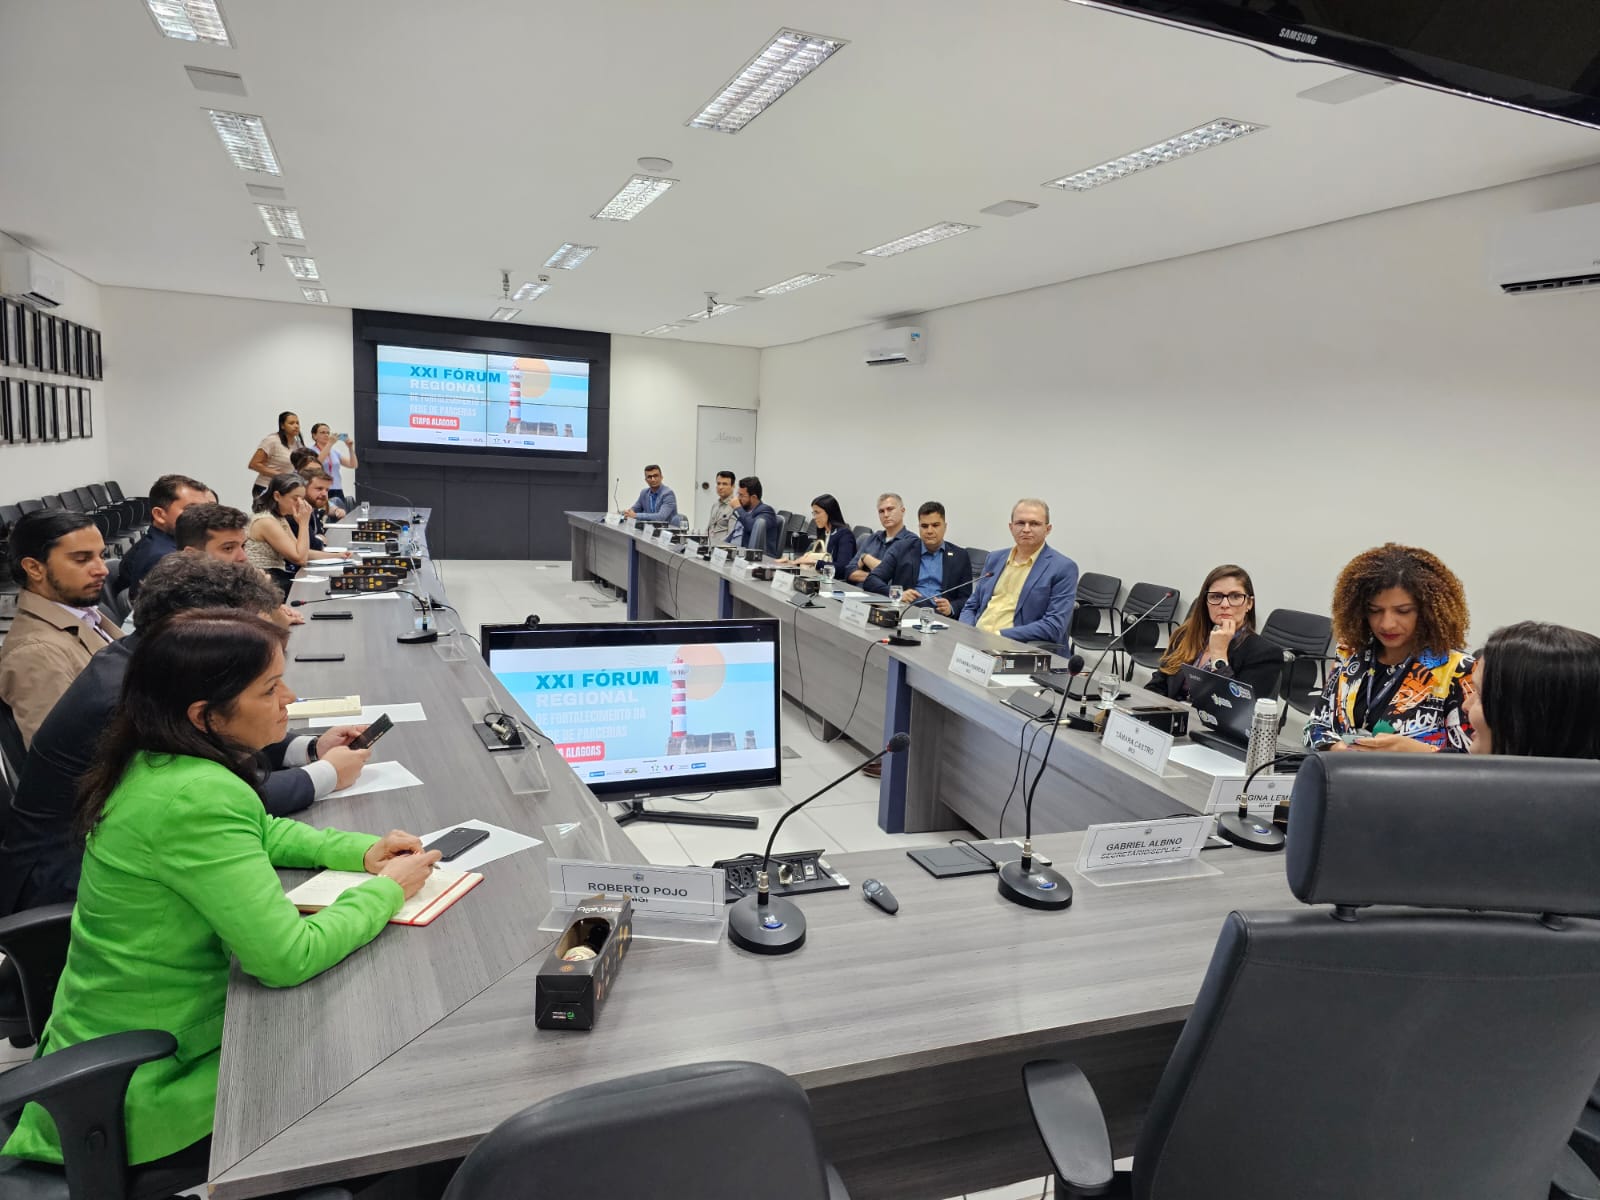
[459, 399]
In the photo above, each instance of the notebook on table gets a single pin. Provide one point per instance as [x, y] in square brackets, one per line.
[442, 890]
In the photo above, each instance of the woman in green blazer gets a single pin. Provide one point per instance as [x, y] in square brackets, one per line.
[178, 875]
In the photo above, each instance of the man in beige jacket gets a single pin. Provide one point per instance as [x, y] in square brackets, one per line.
[55, 556]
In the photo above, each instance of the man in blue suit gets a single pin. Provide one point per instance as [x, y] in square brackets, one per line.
[935, 573]
[656, 502]
[752, 514]
[1025, 593]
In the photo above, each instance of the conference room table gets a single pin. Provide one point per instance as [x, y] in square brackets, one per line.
[966, 742]
[908, 1032]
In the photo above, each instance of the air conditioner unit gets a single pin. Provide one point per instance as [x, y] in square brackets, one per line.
[886, 347]
[32, 279]
[1550, 251]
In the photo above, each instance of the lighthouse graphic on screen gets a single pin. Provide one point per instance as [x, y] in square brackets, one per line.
[679, 740]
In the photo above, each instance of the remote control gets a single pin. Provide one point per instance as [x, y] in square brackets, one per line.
[875, 893]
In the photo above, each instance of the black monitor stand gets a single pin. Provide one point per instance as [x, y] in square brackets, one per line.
[636, 811]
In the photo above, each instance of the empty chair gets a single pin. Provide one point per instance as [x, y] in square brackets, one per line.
[84, 499]
[1097, 598]
[1426, 1031]
[678, 1140]
[53, 501]
[10, 514]
[1153, 616]
[862, 533]
[69, 501]
[30, 506]
[114, 490]
[978, 558]
[1305, 636]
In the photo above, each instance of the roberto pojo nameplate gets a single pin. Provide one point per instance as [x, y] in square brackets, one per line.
[684, 891]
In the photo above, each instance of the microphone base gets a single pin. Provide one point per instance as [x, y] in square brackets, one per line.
[1249, 832]
[776, 927]
[419, 638]
[1036, 887]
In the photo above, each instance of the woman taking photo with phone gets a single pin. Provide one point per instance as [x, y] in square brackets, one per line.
[1219, 635]
[272, 455]
[179, 876]
[334, 453]
[1399, 620]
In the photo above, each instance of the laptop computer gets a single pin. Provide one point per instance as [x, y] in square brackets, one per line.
[1225, 707]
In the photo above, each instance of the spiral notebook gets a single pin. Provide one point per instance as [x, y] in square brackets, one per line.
[442, 890]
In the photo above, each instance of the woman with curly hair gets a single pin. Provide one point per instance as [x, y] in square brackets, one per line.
[1399, 618]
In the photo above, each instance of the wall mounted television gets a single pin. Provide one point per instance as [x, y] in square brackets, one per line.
[1542, 56]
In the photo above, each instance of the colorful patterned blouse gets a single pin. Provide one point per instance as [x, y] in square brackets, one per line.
[1423, 699]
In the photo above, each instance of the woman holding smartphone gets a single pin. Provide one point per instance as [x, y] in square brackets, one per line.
[1219, 635]
[180, 876]
[334, 453]
[1399, 618]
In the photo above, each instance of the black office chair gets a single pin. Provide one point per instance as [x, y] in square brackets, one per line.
[53, 502]
[977, 558]
[1306, 636]
[30, 506]
[862, 533]
[1431, 1034]
[1145, 644]
[10, 514]
[706, 1129]
[1097, 595]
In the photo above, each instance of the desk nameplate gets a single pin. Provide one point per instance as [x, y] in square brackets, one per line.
[1141, 744]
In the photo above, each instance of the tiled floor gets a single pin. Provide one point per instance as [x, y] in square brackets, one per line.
[845, 819]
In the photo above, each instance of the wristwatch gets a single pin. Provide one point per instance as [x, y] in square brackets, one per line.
[1218, 665]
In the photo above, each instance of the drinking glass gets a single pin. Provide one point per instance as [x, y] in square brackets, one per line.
[895, 593]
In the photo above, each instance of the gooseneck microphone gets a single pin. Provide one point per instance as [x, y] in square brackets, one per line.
[921, 622]
[415, 515]
[764, 925]
[1112, 645]
[430, 628]
[1022, 882]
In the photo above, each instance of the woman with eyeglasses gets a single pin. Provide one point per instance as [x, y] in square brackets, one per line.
[1399, 620]
[1535, 690]
[1219, 635]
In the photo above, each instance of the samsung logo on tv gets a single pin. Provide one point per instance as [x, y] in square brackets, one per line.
[597, 774]
[1295, 35]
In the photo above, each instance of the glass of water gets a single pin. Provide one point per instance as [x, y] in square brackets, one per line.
[896, 593]
[366, 510]
[1110, 688]
[825, 569]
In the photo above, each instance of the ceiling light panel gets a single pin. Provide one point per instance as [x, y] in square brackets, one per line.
[190, 20]
[636, 195]
[301, 267]
[793, 283]
[506, 314]
[922, 237]
[315, 295]
[530, 291]
[1214, 133]
[660, 329]
[245, 139]
[282, 222]
[568, 257]
[781, 64]
[716, 310]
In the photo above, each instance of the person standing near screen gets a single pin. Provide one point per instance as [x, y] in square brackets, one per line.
[272, 455]
[334, 453]
[657, 502]
[723, 520]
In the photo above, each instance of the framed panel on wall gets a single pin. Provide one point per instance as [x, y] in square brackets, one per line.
[6, 322]
[6, 427]
[29, 412]
[94, 368]
[69, 412]
[85, 413]
[63, 345]
[51, 420]
[28, 323]
[47, 343]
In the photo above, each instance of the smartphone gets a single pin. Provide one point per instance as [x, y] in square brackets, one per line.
[319, 658]
[372, 733]
[342, 614]
[456, 843]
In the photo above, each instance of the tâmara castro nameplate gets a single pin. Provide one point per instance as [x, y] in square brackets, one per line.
[681, 891]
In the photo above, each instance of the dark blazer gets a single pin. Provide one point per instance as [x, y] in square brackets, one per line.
[146, 553]
[841, 546]
[1252, 660]
[903, 564]
[1044, 606]
[40, 858]
[774, 536]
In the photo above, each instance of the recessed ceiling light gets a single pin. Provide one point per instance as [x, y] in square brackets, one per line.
[716, 310]
[568, 256]
[846, 265]
[506, 314]
[656, 166]
[1009, 208]
[190, 20]
[245, 139]
[530, 291]
[922, 237]
[659, 329]
[782, 63]
[315, 295]
[793, 283]
[282, 222]
[301, 267]
[1214, 133]
[636, 196]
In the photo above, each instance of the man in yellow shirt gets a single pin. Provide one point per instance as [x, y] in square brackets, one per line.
[1025, 593]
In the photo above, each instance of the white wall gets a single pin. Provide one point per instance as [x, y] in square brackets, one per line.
[656, 388]
[28, 472]
[202, 380]
[1282, 404]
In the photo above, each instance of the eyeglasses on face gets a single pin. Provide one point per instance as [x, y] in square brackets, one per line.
[1231, 599]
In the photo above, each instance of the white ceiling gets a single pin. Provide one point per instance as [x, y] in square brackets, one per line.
[427, 145]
